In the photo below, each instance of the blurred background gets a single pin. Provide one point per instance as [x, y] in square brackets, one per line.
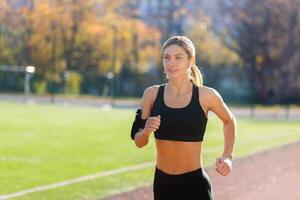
[72, 73]
[247, 50]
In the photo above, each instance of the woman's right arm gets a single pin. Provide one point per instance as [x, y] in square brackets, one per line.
[141, 138]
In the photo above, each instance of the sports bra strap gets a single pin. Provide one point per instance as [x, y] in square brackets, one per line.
[195, 97]
[160, 93]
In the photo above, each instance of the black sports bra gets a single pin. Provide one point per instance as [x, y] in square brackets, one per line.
[180, 124]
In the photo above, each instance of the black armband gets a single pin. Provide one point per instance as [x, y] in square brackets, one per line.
[138, 123]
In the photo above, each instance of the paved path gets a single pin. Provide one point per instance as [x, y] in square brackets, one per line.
[270, 175]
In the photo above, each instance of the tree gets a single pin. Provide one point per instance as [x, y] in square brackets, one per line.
[266, 36]
[89, 37]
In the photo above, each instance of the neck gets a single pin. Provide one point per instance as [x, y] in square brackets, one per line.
[179, 87]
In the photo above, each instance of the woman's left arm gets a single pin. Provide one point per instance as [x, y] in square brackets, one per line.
[218, 106]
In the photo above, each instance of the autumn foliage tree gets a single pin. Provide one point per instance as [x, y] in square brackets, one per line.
[90, 37]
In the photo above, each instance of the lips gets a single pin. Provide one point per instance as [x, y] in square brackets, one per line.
[172, 70]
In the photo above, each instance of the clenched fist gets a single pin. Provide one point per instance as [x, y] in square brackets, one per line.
[223, 166]
[152, 124]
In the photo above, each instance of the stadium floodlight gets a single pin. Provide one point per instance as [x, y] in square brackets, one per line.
[110, 75]
[30, 69]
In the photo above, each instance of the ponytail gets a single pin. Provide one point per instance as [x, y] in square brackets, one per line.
[196, 76]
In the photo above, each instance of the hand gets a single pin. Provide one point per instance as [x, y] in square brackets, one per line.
[152, 124]
[223, 166]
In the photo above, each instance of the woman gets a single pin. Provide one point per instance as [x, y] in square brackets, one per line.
[176, 112]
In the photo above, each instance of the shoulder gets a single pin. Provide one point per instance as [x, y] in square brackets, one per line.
[214, 102]
[208, 92]
[209, 95]
[150, 93]
[148, 99]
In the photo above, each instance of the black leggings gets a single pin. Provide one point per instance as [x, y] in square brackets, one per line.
[193, 185]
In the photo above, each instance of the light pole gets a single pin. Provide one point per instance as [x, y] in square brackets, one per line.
[110, 77]
[66, 80]
[29, 70]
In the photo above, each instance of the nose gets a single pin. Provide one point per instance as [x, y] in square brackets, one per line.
[171, 63]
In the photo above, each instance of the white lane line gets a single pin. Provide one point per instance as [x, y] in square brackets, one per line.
[77, 180]
[19, 159]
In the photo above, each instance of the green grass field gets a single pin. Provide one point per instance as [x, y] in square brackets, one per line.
[44, 144]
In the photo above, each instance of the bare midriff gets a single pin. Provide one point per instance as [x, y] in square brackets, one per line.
[177, 157]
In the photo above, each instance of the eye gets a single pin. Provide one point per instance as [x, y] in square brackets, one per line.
[166, 57]
[178, 57]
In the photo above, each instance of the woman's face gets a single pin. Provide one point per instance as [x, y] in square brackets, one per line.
[176, 62]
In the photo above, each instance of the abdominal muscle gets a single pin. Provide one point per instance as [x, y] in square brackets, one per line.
[177, 157]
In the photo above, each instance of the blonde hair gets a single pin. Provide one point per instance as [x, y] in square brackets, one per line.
[188, 46]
